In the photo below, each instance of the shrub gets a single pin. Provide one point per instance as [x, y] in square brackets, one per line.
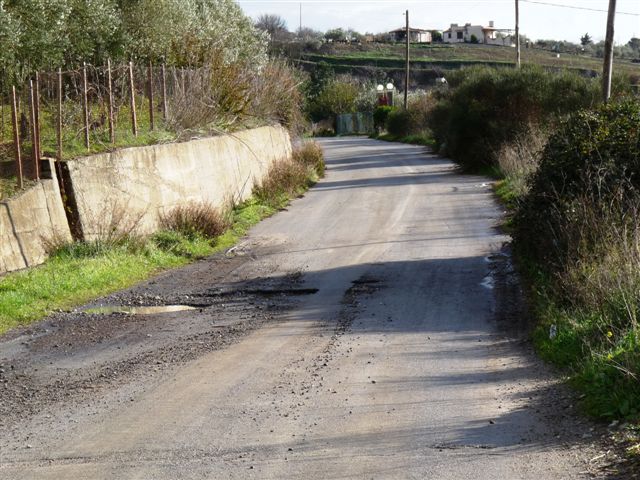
[485, 107]
[196, 219]
[277, 96]
[519, 158]
[380, 115]
[399, 123]
[288, 178]
[344, 94]
[595, 158]
[310, 155]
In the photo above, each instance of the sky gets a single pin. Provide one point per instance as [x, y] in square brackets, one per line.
[537, 21]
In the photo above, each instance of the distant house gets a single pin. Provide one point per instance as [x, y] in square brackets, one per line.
[416, 35]
[478, 34]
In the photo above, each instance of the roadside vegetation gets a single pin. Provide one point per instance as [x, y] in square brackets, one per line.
[78, 272]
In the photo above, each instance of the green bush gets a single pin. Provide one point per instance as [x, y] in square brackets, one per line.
[399, 123]
[592, 161]
[485, 107]
[380, 115]
[335, 98]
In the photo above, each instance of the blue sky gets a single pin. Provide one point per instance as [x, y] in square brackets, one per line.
[537, 21]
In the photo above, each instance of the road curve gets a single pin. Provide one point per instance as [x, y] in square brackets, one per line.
[397, 367]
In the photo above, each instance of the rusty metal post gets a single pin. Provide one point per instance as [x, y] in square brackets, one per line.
[150, 82]
[16, 136]
[165, 109]
[59, 123]
[34, 135]
[85, 106]
[112, 133]
[134, 119]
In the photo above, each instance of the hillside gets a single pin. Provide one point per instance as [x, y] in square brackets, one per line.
[428, 61]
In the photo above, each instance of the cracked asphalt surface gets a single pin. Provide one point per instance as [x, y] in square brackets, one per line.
[372, 330]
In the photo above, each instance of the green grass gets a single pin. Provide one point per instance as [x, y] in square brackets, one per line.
[416, 139]
[448, 56]
[80, 272]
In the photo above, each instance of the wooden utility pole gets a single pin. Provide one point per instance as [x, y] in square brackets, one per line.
[608, 52]
[517, 35]
[406, 70]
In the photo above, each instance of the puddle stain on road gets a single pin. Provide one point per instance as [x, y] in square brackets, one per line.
[110, 309]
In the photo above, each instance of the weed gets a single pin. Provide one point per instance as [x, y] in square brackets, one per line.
[196, 219]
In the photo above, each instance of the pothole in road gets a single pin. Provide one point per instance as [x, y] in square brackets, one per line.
[266, 292]
[109, 309]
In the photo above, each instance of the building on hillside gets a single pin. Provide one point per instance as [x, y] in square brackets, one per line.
[478, 34]
[416, 35]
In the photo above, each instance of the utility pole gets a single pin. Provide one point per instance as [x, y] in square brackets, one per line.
[406, 71]
[517, 35]
[608, 52]
[300, 31]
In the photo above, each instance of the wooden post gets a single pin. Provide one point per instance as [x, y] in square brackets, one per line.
[134, 120]
[112, 133]
[59, 123]
[37, 118]
[517, 35]
[34, 135]
[184, 82]
[85, 105]
[608, 52]
[16, 135]
[165, 109]
[150, 82]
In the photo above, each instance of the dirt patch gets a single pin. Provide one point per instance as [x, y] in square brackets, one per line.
[73, 356]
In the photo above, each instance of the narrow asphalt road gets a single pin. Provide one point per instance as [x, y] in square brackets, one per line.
[402, 363]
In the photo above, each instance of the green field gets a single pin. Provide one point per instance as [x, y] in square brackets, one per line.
[447, 57]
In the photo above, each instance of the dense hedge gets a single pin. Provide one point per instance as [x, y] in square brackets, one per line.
[594, 158]
[484, 107]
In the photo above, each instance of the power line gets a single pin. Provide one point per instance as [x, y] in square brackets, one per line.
[578, 8]
[386, 2]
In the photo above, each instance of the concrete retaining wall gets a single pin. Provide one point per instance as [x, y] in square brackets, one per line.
[27, 222]
[131, 187]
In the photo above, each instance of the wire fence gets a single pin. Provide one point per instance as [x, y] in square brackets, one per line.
[65, 114]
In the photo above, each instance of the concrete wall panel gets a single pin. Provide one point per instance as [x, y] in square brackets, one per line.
[132, 187]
